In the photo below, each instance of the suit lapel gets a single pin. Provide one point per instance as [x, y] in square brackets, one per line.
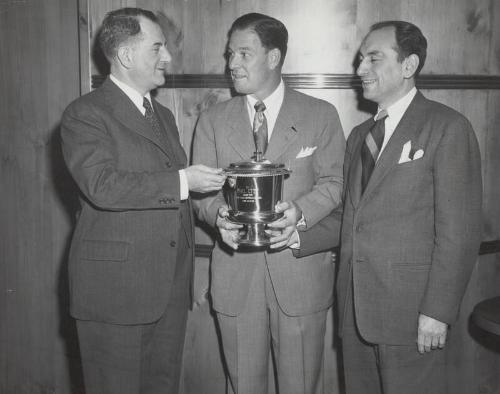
[171, 133]
[408, 128]
[240, 135]
[355, 169]
[127, 113]
[284, 132]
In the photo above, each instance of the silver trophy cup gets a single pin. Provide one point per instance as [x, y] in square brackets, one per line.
[252, 190]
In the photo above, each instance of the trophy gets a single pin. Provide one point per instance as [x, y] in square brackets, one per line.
[252, 190]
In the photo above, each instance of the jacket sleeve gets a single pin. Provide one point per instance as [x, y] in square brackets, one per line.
[92, 154]
[321, 237]
[205, 152]
[328, 161]
[457, 210]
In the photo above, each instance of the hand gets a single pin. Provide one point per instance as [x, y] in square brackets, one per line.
[283, 231]
[203, 179]
[431, 334]
[229, 231]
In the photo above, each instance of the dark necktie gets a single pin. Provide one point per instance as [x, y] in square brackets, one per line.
[371, 148]
[260, 128]
[152, 119]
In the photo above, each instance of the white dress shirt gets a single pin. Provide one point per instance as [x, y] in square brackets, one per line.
[273, 105]
[138, 99]
[394, 114]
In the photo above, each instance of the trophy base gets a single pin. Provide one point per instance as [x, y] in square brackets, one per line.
[254, 234]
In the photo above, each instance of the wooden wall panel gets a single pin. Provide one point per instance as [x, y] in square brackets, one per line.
[325, 35]
[38, 78]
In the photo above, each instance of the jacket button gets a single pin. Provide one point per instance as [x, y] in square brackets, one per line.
[167, 163]
[172, 244]
[359, 228]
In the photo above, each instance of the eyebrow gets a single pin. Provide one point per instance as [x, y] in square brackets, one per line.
[240, 49]
[371, 53]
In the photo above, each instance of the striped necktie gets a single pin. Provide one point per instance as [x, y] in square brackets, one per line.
[371, 148]
[260, 128]
[152, 119]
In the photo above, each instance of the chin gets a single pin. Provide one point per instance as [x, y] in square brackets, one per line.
[368, 95]
[160, 82]
[240, 87]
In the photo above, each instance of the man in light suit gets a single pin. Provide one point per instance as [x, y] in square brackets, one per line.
[267, 299]
[411, 230]
[130, 264]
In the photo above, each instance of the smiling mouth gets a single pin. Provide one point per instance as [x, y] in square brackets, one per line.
[237, 77]
[367, 82]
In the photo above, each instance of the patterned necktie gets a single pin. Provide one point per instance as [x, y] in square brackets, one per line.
[371, 148]
[152, 119]
[260, 128]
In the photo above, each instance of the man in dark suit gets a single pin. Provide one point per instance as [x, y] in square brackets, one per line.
[411, 223]
[130, 264]
[265, 299]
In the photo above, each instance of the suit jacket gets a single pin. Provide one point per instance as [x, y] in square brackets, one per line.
[124, 246]
[409, 243]
[224, 136]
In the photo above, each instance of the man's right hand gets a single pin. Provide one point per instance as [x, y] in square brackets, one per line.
[203, 179]
[229, 231]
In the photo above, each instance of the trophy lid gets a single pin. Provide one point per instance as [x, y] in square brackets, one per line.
[256, 168]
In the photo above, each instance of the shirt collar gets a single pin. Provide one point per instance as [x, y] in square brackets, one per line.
[396, 111]
[132, 94]
[274, 100]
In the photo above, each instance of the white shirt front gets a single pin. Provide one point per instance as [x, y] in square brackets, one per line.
[273, 105]
[395, 112]
[132, 94]
[138, 100]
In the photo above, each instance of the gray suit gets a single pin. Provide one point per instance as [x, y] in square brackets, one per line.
[130, 263]
[223, 136]
[408, 243]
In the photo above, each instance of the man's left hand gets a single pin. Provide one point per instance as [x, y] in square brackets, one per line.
[431, 334]
[282, 231]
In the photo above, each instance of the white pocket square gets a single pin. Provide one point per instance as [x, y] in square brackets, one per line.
[406, 155]
[304, 152]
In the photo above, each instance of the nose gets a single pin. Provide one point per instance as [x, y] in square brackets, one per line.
[233, 63]
[165, 55]
[362, 68]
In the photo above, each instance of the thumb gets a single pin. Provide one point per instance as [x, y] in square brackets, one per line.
[282, 206]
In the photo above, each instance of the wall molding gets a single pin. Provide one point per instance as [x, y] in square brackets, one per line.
[326, 81]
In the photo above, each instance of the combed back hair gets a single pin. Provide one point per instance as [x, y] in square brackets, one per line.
[119, 26]
[409, 40]
[272, 33]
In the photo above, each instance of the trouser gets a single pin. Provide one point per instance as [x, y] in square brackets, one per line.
[143, 358]
[388, 369]
[296, 341]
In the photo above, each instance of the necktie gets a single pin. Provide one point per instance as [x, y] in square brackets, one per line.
[152, 119]
[260, 129]
[371, 148]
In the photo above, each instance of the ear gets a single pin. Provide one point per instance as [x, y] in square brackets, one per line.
[273, 58]
[125, 56]
[410, 65]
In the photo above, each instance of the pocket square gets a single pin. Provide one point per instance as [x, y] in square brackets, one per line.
[304, 152]
[407, 154]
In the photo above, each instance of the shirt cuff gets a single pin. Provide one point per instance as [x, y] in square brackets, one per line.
[301, 224]
[184, 187]
[296, 245]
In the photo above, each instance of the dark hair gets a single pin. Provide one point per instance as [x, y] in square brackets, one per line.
[272, 33]
[119, 26]
[409, 40]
